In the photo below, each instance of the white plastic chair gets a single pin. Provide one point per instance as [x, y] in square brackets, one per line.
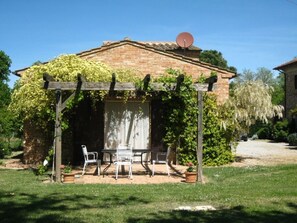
[124, 157]
[162, 158]
[90, 157]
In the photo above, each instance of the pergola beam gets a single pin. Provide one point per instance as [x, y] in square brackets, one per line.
[117, 86]
[82, 85]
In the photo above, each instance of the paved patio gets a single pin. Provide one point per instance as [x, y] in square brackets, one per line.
[139, 175]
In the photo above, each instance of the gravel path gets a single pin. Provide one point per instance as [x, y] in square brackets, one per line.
[262, 152]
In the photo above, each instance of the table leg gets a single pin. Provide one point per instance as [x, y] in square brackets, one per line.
[107, 167]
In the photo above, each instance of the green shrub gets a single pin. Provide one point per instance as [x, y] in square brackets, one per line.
[4, 150]
[43, 168]
[217, 141]
[280, 131]
[281, 136]
[263, 130]
[263, 133]
[16, 144]
[292, 139]
[180, 117]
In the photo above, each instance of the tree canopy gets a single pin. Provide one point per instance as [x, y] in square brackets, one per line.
[8, 124]
[216, 58]
[278, 95]
[252, 101]
[63, 68]
[5, 63]
[266, 76]
[262, 73]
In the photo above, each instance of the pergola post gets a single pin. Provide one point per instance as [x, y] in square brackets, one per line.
[58, 136]
[200, 137]
[81, 85]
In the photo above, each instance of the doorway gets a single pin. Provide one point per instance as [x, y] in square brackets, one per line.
[127, 123]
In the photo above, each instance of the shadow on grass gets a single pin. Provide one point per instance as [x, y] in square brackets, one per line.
[56, 207]
[31, 208]
[235, 215]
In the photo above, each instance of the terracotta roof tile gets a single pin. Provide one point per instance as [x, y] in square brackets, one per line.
[160, 45]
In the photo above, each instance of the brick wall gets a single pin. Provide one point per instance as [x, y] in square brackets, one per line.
[147, 61]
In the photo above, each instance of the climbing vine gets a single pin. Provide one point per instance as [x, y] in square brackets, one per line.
[180, 115]
[180, 112]
[31, 102]
[217, 139]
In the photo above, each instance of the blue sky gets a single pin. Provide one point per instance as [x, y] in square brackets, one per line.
[249, 33]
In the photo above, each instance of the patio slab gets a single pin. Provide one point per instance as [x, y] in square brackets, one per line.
[139, 176]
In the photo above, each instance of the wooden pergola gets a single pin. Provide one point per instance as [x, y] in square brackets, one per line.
[113, 85]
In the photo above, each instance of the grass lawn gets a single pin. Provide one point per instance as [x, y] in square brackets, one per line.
[253, 194]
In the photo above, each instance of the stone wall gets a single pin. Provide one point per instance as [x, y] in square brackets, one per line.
[291, 91]
[37, 142]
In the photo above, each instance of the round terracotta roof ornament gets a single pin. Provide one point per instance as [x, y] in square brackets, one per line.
[184, 40]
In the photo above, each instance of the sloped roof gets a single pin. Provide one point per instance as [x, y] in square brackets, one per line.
[145, 45]
[161, 45]
[157, 47]
[164, 47]
[284, 65]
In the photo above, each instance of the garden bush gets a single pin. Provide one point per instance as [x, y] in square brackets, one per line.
[264, 133]
[292, 139]
[4, 149]
[16, 144]
[183, 113]
[280, 131]
[217, 140]
[263, 130]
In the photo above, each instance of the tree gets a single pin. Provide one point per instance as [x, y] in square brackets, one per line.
[216, 58]
[278, 95]
[4, 72]
[247, 75]
[263, 74]
[4, 95]
[252, 101]
[8, 124]
[266, 76]
[5, 63]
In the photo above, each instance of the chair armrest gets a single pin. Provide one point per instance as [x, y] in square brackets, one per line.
[94, 154]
